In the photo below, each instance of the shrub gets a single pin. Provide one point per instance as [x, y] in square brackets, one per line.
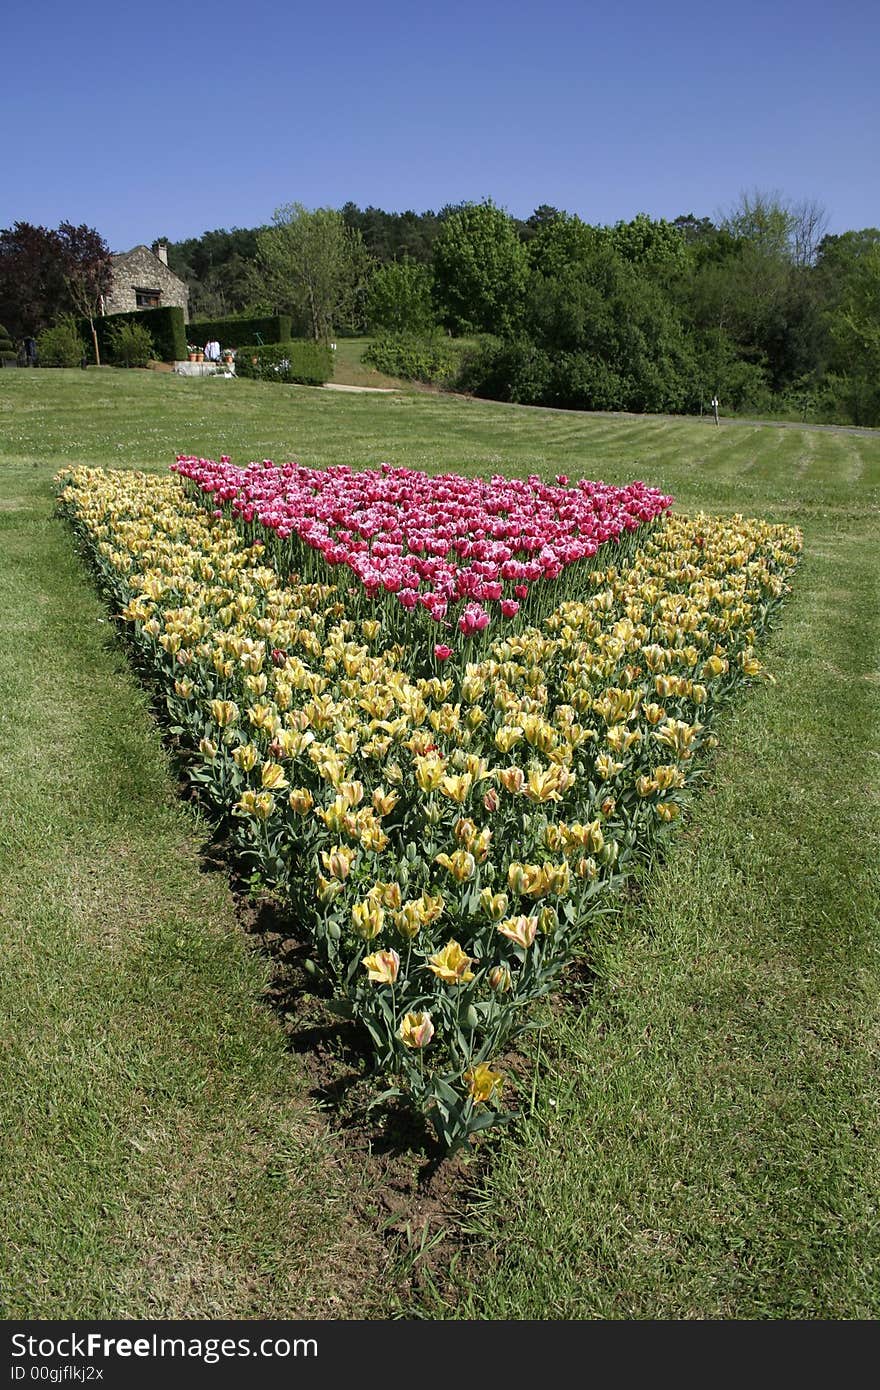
[507, 371]
[583, 381]
[129, 345]
[232, 332]
[61, 345]
[432, 358]
[298, 361]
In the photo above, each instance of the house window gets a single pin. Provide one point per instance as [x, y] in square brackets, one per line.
[147, 299]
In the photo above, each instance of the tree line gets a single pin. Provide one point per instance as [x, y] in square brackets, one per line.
[760, 307]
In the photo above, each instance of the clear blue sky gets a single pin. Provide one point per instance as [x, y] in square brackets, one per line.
[174, 118]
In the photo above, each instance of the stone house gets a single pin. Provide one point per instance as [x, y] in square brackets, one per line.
[142, 280]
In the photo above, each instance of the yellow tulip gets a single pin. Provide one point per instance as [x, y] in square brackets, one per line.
[224, 712]
[451, 965]
[520, 930]
[260, 805]
[461, 864]
[429, 772]
[272, 777]
[431, 907]
[384, 802]
[512, 779]
[382, 967]
[338, 861]
[606, 767]
[483, 1083]
[352, 792]
[457, 788]
[715, 666]
[409, 919]
[246, 757]
[500, 979]
[368, 919]
[301, 800]
[416, 1030]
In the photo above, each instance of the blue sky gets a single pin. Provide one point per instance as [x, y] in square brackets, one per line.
[171, 119]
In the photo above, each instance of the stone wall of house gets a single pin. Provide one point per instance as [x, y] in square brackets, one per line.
[140, 269]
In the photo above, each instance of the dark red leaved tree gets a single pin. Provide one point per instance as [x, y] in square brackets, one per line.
[88, 272]
[32, 283]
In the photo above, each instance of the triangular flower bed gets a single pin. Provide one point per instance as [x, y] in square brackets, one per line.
[443, 825]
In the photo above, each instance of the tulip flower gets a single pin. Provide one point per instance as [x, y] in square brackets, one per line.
[451, 965]
[382, 967]
[520, 930]
[416, 1030]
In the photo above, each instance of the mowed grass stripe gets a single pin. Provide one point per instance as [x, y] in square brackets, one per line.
[159, 1156]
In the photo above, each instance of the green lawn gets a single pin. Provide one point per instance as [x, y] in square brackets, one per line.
[350, 370]
[704, 1139]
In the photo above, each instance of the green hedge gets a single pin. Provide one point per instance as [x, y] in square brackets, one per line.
[431, 359]
[233, 332]
[165, 327]
[301, 361]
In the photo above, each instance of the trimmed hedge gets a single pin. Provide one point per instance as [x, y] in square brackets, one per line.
[232, 332]
[299, 361]
[165, 327]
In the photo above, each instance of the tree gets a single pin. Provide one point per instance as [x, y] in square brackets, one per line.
[314, 265]
[659, 248]
[791, 231]
[32, 289]
[763, 219]
[809, 225]
[544, 214]
[87, 268]
[856, 324]
[480, 270]
[219, 268]
[399, 298]
[560, 242]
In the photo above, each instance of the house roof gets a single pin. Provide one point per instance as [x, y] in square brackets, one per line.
[123, 255]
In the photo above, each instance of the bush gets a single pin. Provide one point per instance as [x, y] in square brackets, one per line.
[129, 345]
[232, 332]
[507, 371]
[61, 345]
[298, 361]
[434, 359]
[583, 381]
[165, 327]
[855, 399]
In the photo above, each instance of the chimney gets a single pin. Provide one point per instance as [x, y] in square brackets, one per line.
[160, 249]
